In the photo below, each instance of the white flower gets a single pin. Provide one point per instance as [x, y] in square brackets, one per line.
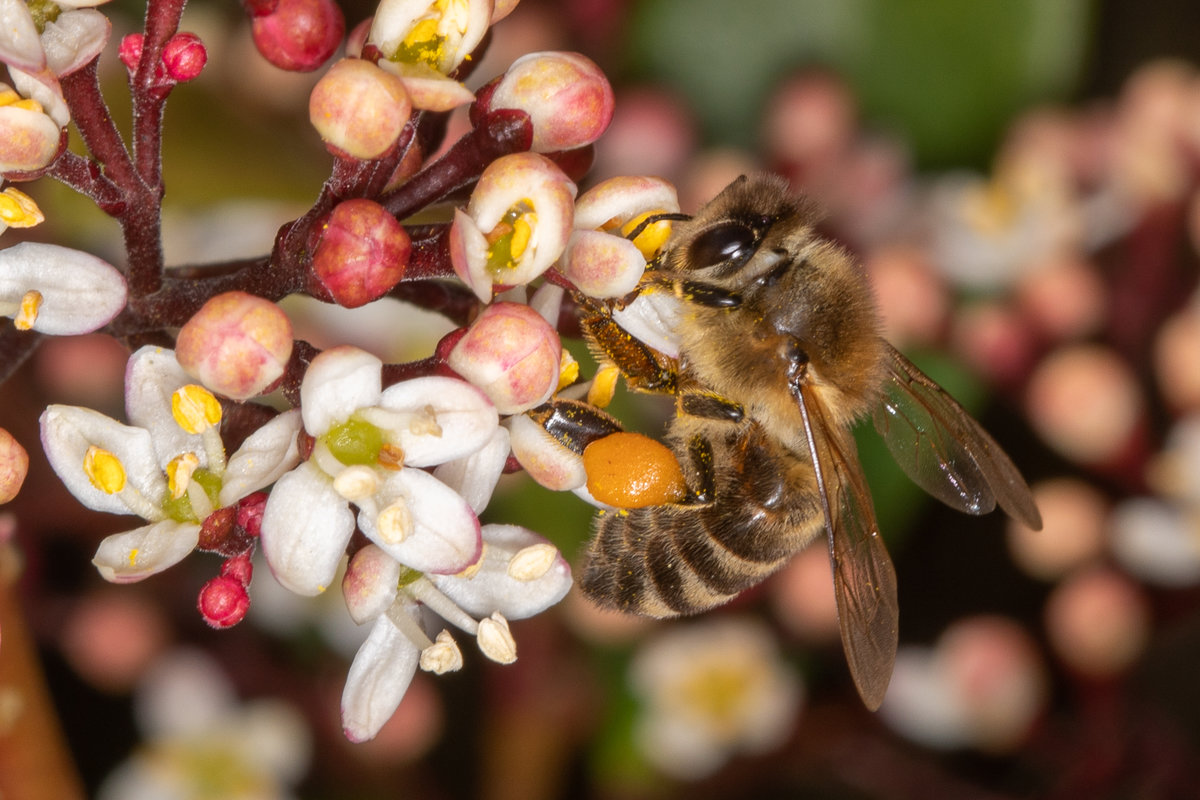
[369, 446]
[200, 742]
[169, 467]
[520, 574]
[711, 690]
[37, 59]
[424, 41]
[57, 290]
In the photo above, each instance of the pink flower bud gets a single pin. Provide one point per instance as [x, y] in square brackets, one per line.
[183, 56]
[250, 512]
[568, 98]
[512, 354]
[359, 109]
[130, 51]
[223, 602]
[236, 344]
[14, 464]
[362, 253]
[240, 568]
[299, 35]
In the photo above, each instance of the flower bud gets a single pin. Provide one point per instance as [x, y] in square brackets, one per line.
[362, 253]
[130, 50]
[512, 354]
[359, 109]
[516, 223]
[299, 35]
[14, 464]
[568, 98]
[223, 602]
[236, 344]
[183, 56]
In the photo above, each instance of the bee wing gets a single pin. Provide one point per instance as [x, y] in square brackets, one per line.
[944, 450]
[864, 579]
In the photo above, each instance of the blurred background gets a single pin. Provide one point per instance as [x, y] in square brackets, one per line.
[1019, 180]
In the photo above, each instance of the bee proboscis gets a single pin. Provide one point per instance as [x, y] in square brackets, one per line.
[779, 353]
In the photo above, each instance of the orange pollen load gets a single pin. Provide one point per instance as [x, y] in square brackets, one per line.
[629, 470]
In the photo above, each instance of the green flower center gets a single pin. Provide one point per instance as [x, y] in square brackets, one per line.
[180, 508]
[355, 441]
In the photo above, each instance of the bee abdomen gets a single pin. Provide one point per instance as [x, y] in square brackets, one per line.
[663, 561]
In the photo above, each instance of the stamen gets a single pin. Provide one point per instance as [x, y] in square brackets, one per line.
[31, 303]
[496, 640]
[411, 629]
[104, 470]
[532, 562]
[18, 210]
[442, 656]
[356, 482]
[194, 408]
[201, 505]
[568, 370]
[395, 522]
[423, 590]
[179, 473]
[604, 386]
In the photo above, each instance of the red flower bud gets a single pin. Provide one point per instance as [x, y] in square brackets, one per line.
[362, 253]
[299, 35]
[223, 602]
[184, 55]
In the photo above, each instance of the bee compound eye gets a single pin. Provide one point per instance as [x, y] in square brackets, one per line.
[728, 242]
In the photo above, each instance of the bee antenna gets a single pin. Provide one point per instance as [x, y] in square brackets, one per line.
[652, 219]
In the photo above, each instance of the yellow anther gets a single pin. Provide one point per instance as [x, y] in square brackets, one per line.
[568, 370]
[195, 408]
[8, 96]
[104, 470]
[133, 554]
[522, 233]
[423, 44]
[179, 473]
[604, 386]
[31, 303]
[18, 210]
[652, 237]
[391, 456]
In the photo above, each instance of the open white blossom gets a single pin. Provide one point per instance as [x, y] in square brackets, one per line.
[519, 575]
[370, 447]
[169, 467]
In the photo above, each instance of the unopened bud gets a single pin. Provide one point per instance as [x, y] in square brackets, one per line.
[223, 602]
[359, 109]
[362, 253]
[512, 354]
[183, 56]
[237, 345]
[299, 35]
[14, 465]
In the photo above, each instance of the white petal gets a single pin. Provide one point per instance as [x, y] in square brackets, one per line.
[382, 670]
[74, 39]
[623, 198]
[151, 377]
[652, 318]
[546, 459]
[42, 85]
[602, 265]
[263, 458]
[370, 583]
[392, 22]
[469, 255]
[140, 553]
[475, 476]
[80, 292]
[68, 432]
[445, 535]
[492, 588]
[20, 46]
[305, 528]
[465, 415]
[338, 382]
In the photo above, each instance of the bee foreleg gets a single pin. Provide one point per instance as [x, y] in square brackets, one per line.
[573, 423]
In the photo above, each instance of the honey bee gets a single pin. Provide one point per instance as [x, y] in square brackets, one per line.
[779, 354]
